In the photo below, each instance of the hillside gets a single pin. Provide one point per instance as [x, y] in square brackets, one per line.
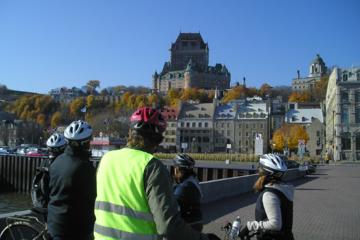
[9, 95]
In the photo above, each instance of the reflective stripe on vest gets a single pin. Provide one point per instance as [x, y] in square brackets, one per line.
[121, 210]
[117, 234]
[121, 207]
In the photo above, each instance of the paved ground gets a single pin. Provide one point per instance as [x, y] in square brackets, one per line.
[326, 206]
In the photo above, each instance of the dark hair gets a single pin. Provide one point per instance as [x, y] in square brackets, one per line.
[186, 172]
[143, 140]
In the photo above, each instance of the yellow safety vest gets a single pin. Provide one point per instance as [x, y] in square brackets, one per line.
[121, 207]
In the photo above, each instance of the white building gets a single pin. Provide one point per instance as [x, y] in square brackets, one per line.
[343, 114]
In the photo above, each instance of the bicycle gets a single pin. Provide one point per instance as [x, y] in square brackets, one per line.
[24, 228]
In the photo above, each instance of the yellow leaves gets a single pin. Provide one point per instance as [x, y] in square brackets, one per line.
[34, 108]
[235, 93]
[300, 97]
[41, 119]
[289, 135]
[56, 119]
[75, 106]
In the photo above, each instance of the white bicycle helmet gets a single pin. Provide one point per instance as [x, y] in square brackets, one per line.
[56, 141]
[78, 131]
[272, 165]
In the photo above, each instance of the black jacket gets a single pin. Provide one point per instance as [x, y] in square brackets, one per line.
[188, 196]
[72, 195]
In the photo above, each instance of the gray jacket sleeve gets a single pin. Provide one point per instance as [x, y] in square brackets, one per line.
[273, 211]
[163, 205]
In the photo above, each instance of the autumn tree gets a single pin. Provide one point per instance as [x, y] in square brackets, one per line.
[75, 106]
[265, 90]
[319, 92]
[37, 108]
[289, 135]
[56, 119]
[234, 93]
[41, 119]
[153, 100]
[300, 97]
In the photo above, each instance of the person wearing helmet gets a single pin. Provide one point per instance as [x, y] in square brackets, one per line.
[134, 193]
[73, 187]
[56, 145]
[274, 205]
[40, 184]
[187, 191]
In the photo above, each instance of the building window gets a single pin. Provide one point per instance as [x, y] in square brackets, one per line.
[358, 141]
[228, 125]
[193, 124]
[357, 114]
[239, 142]
[344, 97]
[187, 124]
[228, 133]
[205, 139]
[345, 141]
[261, 125]
[222, 125]
[357, 97]
[246, 126]
[206, 124]
[247, 134]
[345, 77]
[318, 133]
[345, 114]
[239, 125]
[200, 124]
[247, 142]
[182, 124]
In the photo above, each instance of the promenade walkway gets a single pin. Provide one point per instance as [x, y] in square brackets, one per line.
[326, 206]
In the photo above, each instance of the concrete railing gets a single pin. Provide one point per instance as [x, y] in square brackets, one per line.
[224, 188]
[17, 172]
[213, 190]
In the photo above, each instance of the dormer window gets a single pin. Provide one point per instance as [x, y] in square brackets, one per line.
[303, 119]
[345, 77]
[293, 119]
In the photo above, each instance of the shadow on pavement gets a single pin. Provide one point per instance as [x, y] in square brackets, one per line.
[217, 209]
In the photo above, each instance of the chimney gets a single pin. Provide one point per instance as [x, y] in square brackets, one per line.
[244, 82]
[298, 74]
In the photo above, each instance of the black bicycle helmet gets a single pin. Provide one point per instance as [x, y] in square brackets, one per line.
[184, 161]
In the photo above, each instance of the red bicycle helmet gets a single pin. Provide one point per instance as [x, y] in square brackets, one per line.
[148, 119]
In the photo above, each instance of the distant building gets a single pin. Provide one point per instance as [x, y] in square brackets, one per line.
[252, 121]
[171, 116]
[317, 70]
[195, 128]
[343, 114]
[224, 123]
[310, 116]
[189, 67]
[277, 114]
[64, 94]
[14, 132]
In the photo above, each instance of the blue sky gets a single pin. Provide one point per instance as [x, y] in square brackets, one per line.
[47, 44]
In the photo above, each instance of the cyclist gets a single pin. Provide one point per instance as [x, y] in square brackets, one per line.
[40, 186]
[73, 187]
[134, 193]
[274, 205]
[187, 191]
[56, 145]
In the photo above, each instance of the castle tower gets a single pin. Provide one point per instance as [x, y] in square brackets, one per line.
[189, 72]
[317, 67]
[155, 81]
